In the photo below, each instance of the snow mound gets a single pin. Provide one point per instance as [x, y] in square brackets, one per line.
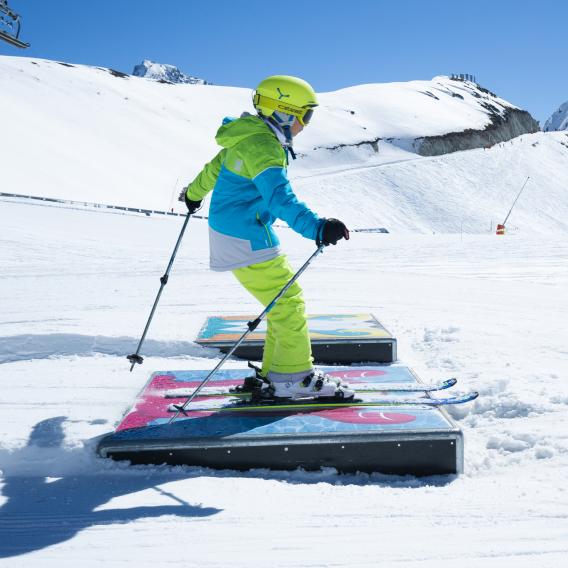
[165, 73]
[559, 120]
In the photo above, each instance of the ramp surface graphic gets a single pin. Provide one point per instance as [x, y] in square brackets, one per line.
[419, 440]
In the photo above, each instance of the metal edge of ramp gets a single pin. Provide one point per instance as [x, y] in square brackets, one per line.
[417, 453]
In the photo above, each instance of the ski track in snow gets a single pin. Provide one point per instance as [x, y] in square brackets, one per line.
[490, 311]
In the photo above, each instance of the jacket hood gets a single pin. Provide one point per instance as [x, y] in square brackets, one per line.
[235, 130]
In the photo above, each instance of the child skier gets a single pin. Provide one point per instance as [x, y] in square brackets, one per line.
[250, 190]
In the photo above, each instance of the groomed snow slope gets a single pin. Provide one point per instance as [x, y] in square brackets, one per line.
[76, 289]
[81, 133]
[464, 191]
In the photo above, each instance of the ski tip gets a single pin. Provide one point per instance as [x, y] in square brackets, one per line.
[449, 383]
[468, 397]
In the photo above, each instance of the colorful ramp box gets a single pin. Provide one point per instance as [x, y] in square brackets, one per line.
[336, 338]
[417, 440]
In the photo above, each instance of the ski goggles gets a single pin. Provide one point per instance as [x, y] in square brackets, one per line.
[303, 114]
[307, 117]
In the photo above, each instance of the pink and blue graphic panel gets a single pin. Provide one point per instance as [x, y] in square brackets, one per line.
[149, 416]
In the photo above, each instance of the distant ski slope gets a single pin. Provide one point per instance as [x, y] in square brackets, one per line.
[82, 133]
[464, 191]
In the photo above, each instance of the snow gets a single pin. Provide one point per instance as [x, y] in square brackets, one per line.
[559, 120]
[489, 310]
[82, 133]
[463, 191]
[77, 286]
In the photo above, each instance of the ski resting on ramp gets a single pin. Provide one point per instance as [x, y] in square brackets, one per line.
[395, 426]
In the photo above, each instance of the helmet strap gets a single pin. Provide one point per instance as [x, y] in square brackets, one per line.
[288, 133]
[283, 123]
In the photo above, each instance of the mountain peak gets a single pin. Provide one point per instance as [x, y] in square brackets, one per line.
[165, 73]
[559, 120]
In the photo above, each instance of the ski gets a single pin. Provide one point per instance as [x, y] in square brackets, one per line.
[289, 405]
[433, 387]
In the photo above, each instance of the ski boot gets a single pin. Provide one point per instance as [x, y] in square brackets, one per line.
[316, 385]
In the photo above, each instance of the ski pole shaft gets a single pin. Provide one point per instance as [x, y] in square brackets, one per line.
[252, 325]
[510, 210]
[136, 357]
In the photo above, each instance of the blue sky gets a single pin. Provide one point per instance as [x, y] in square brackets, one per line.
[515, 48]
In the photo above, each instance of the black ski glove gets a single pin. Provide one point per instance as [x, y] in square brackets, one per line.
[192, 206]
[333, 231]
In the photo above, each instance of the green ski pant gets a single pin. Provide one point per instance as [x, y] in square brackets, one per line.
[287, 347]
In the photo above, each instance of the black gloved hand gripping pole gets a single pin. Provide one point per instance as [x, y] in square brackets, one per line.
[252, 325]
[136, 357]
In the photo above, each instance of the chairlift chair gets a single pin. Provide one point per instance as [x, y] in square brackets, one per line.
[10, 26]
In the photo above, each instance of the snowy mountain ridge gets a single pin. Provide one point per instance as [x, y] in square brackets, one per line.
[559, 120]
[98, 136]
[165, 73]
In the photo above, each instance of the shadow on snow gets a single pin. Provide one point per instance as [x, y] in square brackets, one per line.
[41, 511]
[42, 346]
[51, 492]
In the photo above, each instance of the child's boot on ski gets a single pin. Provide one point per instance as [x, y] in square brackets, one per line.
[316, 385]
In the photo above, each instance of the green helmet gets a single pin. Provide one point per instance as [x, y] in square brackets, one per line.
[287, 95]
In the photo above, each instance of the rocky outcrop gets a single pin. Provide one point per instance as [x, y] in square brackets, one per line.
[504, 126]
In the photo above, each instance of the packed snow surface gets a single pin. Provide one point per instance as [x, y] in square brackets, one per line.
[559, 120]
[77, 287]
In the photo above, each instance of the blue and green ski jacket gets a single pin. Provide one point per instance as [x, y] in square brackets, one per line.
[251, 189]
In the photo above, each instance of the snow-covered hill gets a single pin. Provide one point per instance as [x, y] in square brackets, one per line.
[464, 191]
[85, 133]
[76, 287]
[559, 120]
[165, 73]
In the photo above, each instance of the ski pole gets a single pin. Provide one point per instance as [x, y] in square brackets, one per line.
[136, 357]
[251, 325]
